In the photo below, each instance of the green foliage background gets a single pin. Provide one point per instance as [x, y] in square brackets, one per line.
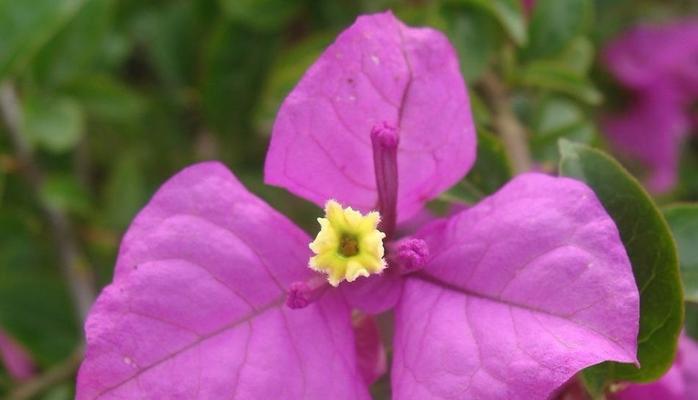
[115, 96]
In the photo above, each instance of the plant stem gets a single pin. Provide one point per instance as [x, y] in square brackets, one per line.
[58, 373]
[505, 122]
[73, 265]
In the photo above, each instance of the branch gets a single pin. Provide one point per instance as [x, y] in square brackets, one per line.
[506, 123]
[56, 374]
[73, 265]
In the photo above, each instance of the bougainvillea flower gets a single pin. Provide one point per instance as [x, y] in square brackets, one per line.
[15, 358]
[659, 65]
[648, 55]
[651, 130]
[216, 295]
[679, 383]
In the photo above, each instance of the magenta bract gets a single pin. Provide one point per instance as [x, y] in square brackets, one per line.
[658, 64]
[197, 310]
[525, 289]
[377, 72]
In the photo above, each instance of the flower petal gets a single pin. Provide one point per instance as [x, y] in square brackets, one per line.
[377, 71]
[523, 290]
[197, 310]
[651, 130]
[648, 54]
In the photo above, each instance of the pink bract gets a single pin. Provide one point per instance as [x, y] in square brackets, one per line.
[648, 55]
[524, 290]
[650, 130]
[659, 65]
[377, 72]
[197, 310]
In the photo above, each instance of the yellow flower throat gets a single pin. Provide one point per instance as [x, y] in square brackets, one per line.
[348, 245]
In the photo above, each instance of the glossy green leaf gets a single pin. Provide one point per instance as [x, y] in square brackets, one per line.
[26, 26]
[653, 255]
[508, 13]
[559, 78]
[53, 123]
[475, 35]
[492, 167]
[683, 221]
[555, 23]
[558, 118]
[491, 171]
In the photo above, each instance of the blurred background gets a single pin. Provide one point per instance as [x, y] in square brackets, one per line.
[103, 100]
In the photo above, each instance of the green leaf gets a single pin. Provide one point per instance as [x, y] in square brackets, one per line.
[106, 98]
[64, 192]
[555, 23]
[557, 77]
[53, 123]
[235, 67]
[75, 50]
[26, 26]
[125, 192]
[34, 304]
[683, 221]
[508, 13]
[492, 167]
[491, 171]
[652, 252]
[267, 15]
[174, 34]
[475, 35]
[558, 118]
[578, 56]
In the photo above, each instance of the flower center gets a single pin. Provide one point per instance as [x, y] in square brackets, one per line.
[348, 245]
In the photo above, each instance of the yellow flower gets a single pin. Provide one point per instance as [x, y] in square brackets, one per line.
[348, 245]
